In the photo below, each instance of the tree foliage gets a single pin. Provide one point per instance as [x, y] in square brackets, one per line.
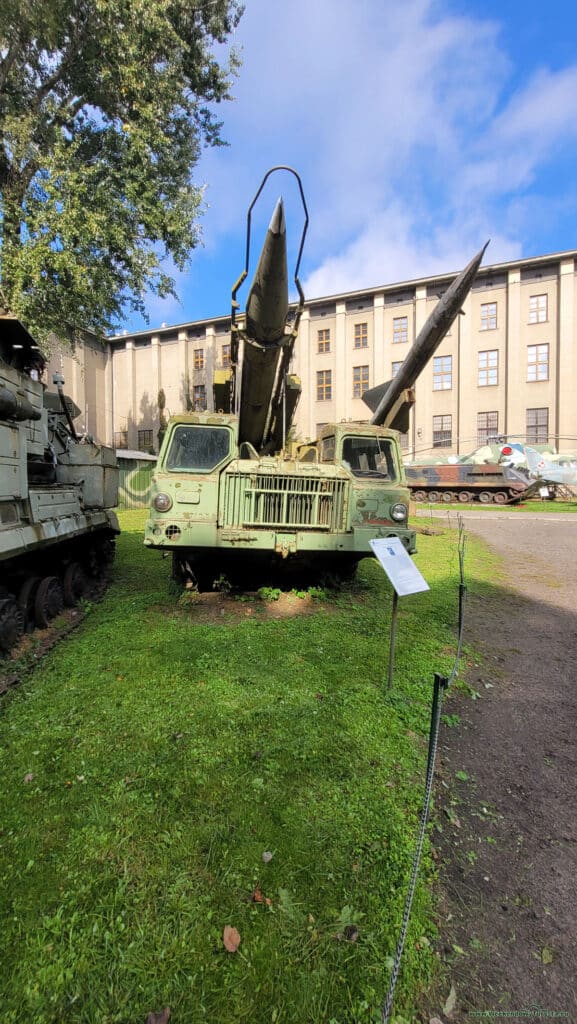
[104, 106]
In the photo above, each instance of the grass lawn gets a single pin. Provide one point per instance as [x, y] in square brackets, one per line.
[160, 750]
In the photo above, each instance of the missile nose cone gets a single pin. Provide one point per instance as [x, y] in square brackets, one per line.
[267, 303]
[277, 222]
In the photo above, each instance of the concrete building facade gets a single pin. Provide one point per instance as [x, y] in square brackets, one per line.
[508, 366]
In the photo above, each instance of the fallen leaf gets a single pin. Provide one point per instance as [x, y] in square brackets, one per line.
[267, 856]
[28, 777]
[547, 955]
[257, 897]
[451, 1001]
[231, 938]
[158, 1018]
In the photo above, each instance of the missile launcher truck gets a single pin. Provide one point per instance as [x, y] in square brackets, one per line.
[57, 491]
[227, 499]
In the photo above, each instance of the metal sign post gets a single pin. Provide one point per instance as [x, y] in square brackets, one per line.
[405, 578]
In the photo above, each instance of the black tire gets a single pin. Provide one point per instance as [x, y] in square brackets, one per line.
[500, 498]
[11, 624]
[465, 496]
[433, 496]
[26, 599]
[49, 601]
[419, 495]
[485, 497]
[74, 584]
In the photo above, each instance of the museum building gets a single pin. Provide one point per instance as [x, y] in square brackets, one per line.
[508, 367]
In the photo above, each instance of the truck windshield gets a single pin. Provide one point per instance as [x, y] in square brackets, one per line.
[197, 449]
[369, 457]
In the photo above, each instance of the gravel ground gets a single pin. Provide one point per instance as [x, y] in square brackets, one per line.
[508, 853]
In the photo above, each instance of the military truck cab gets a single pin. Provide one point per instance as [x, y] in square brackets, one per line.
[222, 508]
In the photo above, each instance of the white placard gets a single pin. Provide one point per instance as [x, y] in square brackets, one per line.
[399, 566]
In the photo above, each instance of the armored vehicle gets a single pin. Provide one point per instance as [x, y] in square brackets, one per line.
[57, 491]
[228, 498]
[486, 475]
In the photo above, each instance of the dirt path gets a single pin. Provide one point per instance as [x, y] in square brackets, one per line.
[508, 851]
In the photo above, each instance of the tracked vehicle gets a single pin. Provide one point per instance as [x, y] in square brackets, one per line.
[57, 492]
[227, 498]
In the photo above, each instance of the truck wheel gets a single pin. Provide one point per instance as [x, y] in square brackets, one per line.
[485, 497]
[11, 624]
[75, 584]
[49, 601]
[26, 598]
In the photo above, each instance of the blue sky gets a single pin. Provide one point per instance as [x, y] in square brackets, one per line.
[419, 129]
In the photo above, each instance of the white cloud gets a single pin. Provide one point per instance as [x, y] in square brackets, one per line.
[416, 136]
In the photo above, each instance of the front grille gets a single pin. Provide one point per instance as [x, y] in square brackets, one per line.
[284, 500]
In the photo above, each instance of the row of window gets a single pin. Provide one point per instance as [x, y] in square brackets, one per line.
[487, 374]
[538, 314]
[488, 368]
[536, 428]
[199, 361]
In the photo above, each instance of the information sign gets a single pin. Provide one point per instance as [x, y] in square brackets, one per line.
[399, 566]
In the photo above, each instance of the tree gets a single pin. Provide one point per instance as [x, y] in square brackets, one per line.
[104, 106]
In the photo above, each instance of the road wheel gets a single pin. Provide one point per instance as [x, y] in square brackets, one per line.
[485, 497]
[433, 496]
[75, 584]
[448, 497]
[464, 496]
[11, 623]
[26, 598]
[49, 601]
[419, 495]
[500, 498]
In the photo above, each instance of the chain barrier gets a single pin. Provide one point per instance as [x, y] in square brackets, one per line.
[441, 684]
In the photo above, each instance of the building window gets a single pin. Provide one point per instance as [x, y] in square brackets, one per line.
[442, 373]
[487, 426]
[360, 380]
[488, 316]
[395, 367]
[488, 368]
[442, 431]
[537, 362]
[121, 439]
[324, 340]
[537, 309]
[144, 440]
[199, 359]
[226, 355]
[537, 430]
[324, 386]
[361, 335]
[199, 397]
[400, 328]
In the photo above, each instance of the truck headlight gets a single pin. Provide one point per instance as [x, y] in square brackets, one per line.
[399, 512]
[162, 502]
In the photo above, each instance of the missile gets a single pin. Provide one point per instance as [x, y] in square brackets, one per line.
[384, 400]
[267, 303]
[265, 336]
